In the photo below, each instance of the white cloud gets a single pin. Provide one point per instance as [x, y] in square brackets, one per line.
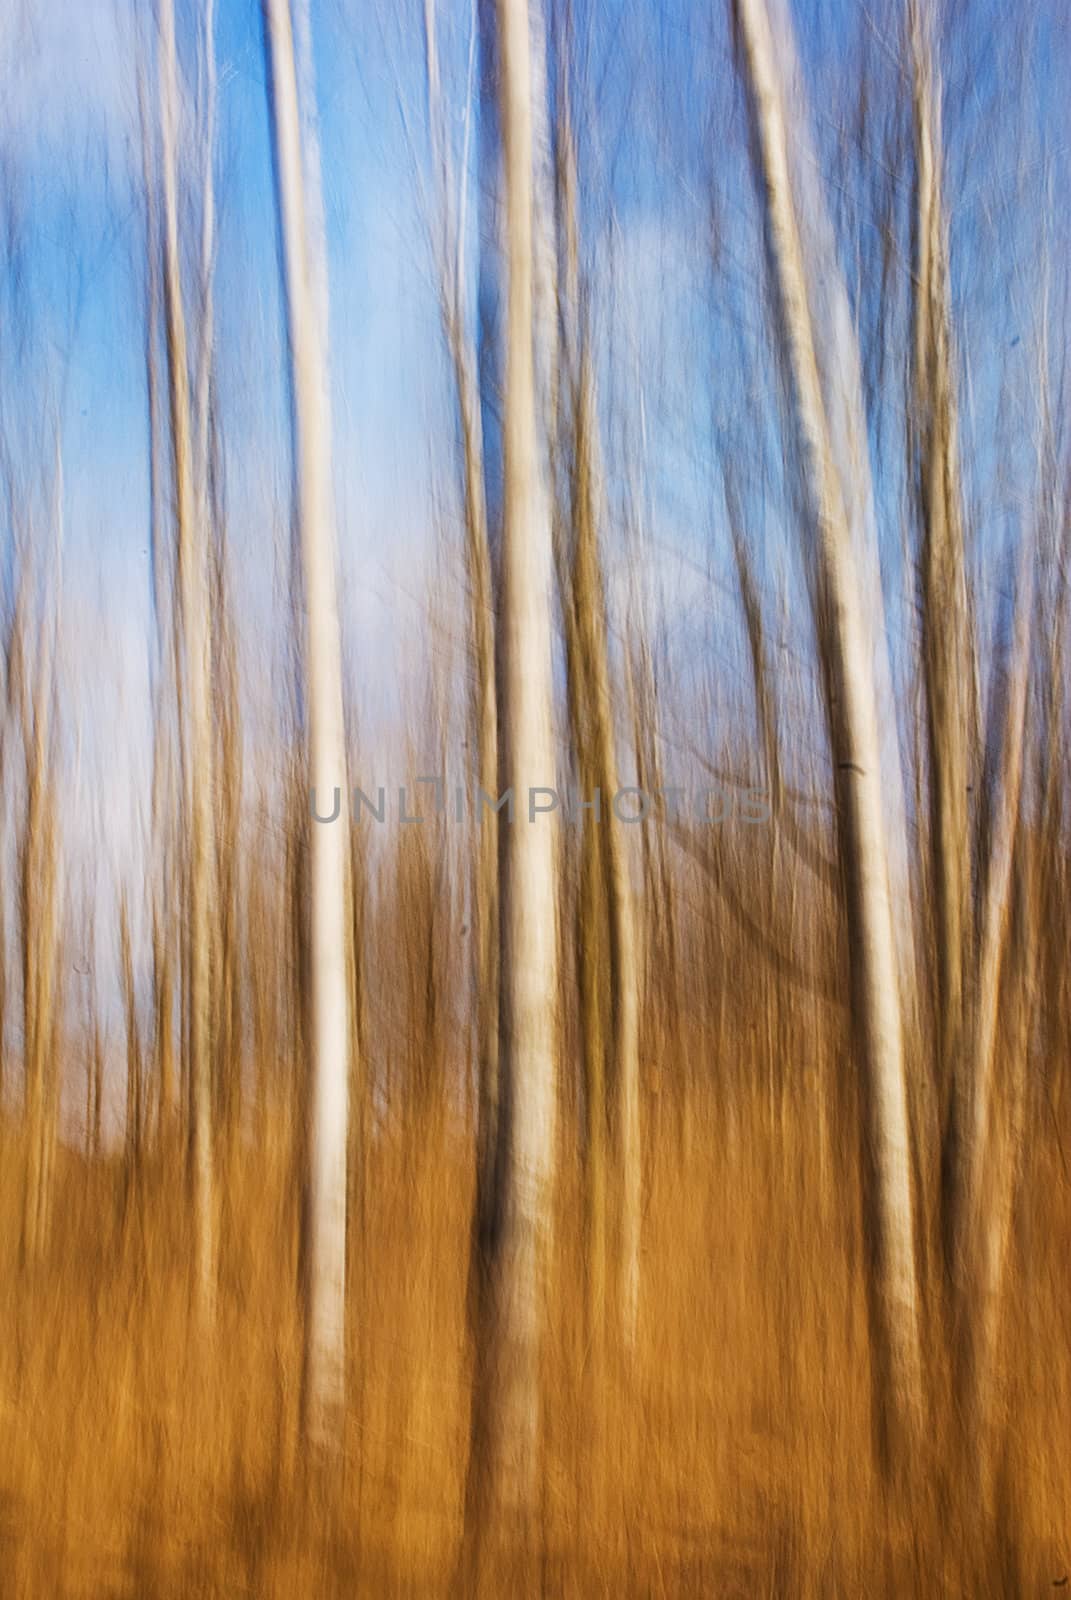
[65, 76]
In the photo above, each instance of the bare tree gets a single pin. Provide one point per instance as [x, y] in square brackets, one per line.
[936, 474]
[979, 1154]
[194, 608]
[301, 223]
[167, 659]
[606, 935]
[851, 700]
[452, 176]
[506, 1421]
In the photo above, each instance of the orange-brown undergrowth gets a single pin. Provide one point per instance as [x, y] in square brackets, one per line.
[728, 1455]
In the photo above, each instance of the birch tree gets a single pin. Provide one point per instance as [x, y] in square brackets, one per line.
[978, 1155]
[450, 252]
[935, 466]
[190, 519]
[304, 264]
[506, 1424]
[166, 661]
[851, 701]
[606, 935]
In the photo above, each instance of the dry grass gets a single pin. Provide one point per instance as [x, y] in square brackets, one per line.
[730, 1455]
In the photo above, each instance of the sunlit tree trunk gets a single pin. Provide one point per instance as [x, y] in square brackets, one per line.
[507, 1429]
[840, 378]
[301, 222]
[852, 707]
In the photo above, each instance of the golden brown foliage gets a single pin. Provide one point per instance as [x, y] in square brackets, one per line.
[730, 1455]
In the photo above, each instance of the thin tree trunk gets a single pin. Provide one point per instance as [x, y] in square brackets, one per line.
[133, 1050]
[163, 1008]
[97, 1101]
[944, 596]
[194, 606]
[167, 664]
[609, 969]
[39, 896]
[39, 919]
[595, 744]
[982, 1184]
[227, 1006]
[657, 928]
[482, 710]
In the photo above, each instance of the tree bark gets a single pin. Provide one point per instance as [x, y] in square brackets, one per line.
[852, 710]
[301, 223]
[507, 1432]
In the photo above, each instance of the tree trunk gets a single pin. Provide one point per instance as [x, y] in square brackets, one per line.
[935, 467]
[610, 986]
[38, 896]
[852, 710]
[482, 707]
[297, 173]
[507, 1434]
[134, 1117]
[194, 606]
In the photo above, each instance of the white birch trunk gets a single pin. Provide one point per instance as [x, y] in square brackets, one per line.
[297, 162]
[527, 1117]
[839, 363]
[856, 753]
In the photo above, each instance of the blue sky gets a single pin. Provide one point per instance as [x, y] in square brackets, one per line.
[681, 344]
[68, 131]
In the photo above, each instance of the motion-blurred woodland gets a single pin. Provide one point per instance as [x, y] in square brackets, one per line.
[664, 1191]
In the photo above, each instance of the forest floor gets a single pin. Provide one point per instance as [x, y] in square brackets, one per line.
[728, 1453]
